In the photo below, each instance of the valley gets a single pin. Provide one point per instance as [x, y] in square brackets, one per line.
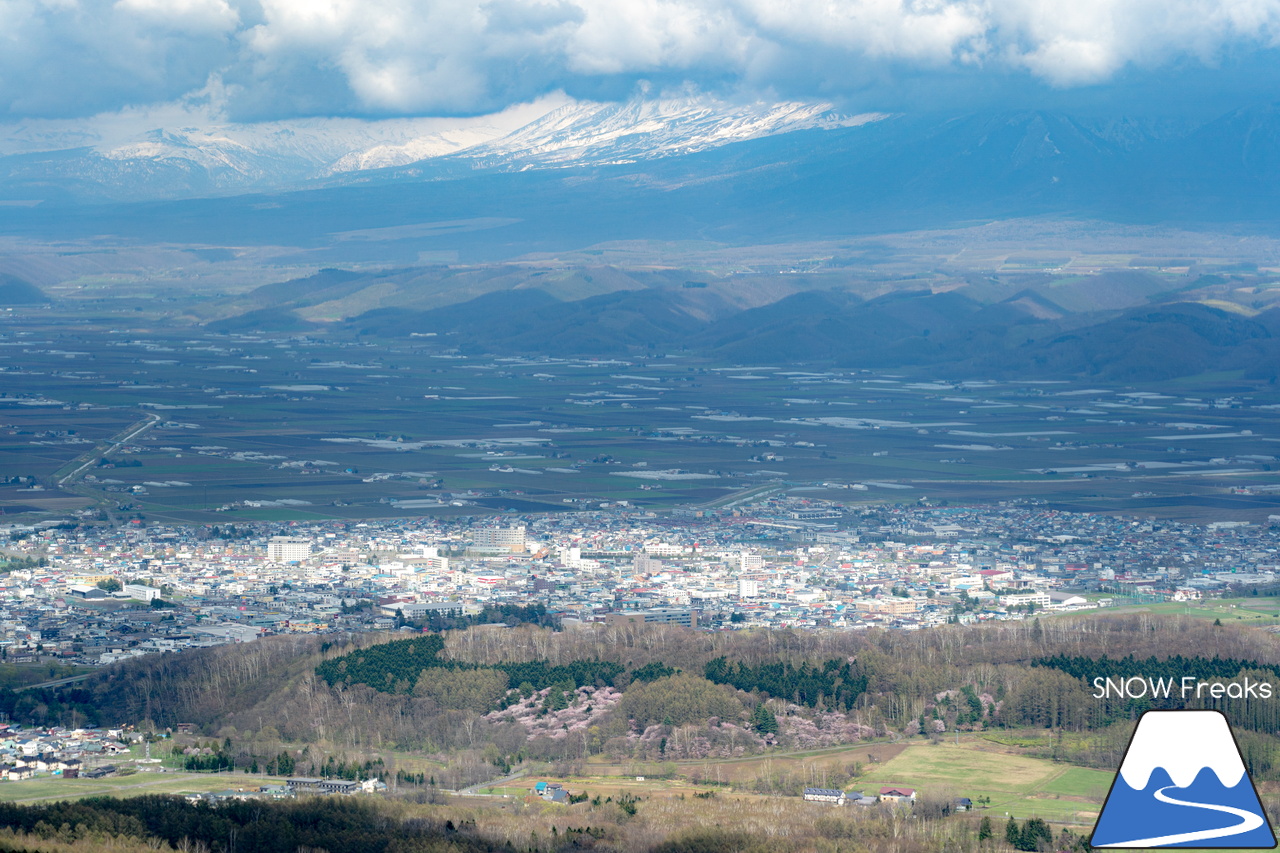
[434, 390]
[682, 427]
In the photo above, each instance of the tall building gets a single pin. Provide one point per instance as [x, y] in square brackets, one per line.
[664, 615]
[644, 564]
[287, 549]
[510, 540]
[747, 588]
[433, 563]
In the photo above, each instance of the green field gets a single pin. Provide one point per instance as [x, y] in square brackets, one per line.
[1017, 785]
[1250, 610]
[503, 791]
[48, 788]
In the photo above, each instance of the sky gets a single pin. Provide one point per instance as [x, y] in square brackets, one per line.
[257, 60]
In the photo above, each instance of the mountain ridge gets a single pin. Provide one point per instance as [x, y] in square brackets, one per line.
[187, 161]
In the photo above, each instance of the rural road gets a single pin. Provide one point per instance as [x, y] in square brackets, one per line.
[91, 457]
[473, 790]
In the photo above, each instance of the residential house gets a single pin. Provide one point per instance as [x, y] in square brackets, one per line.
[824, 795]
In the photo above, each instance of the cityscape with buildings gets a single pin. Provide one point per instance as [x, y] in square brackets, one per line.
[95, 595]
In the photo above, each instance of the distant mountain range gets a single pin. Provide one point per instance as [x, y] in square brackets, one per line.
[177, 162]
[946, 332]
[583, 174]
[1125, 326]
[781, 164]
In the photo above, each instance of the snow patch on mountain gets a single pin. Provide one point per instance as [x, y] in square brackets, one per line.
[411, 151]
[644, 129]
[185, 153]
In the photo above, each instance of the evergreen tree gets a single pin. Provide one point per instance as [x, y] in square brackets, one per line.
[984, 828]
[1034, 831]
[764, 720]
[1011, 832]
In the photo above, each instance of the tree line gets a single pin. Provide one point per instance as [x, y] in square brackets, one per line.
[508, 614]
[1173, 667]
[397, 666]
[335, 824]
[834, 685]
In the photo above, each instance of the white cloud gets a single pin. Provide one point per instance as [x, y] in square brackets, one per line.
[193, 16]
[78, 57]
[1087, 41]
[291, 57]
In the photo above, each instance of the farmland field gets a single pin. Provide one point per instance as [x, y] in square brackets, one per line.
[1018, 785]
[107, 417]
[45, 788]
[996, 777]
[1253, 610]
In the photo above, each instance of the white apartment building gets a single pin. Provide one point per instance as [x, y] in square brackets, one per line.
[509, 540]
[288, 549]
[1022, 599]
[141, 592]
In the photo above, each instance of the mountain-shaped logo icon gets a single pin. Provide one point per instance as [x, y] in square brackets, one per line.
[1182, 783]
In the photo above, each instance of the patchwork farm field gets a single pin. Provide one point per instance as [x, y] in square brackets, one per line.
[187, 425]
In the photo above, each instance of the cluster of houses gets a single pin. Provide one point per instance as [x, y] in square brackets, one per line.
[837, 797]
[890, 794]
[58, 752]
[293, 787]
[551, 792]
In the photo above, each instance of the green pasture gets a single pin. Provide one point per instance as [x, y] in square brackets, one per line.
[1249, 610]
[503, 791]
[14, 675]
[1016, 784]
[53, 788]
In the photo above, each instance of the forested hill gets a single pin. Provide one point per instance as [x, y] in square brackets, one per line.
[332, 824]
[1168, 334]
[649, 692]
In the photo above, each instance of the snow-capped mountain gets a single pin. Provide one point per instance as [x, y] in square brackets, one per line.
[112, 159]
[589, 133]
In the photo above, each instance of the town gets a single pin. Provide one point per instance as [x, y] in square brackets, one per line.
[93, 595]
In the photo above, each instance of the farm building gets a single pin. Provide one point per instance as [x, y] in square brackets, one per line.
[897, 795]
[308, 785]
[552, 792]
[824, 795]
